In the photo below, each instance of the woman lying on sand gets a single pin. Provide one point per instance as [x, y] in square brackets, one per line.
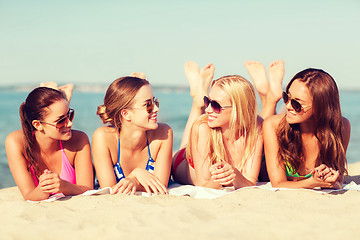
[133, 153]
[225, 145]
[306, 147]
[46, 156]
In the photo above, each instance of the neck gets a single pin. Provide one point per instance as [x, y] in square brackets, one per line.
[307, 127]
[46, 144]
[133, 139]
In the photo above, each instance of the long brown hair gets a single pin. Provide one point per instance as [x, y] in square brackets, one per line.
[119, 96]
[327, 119]
[243, 120]
[35, 108]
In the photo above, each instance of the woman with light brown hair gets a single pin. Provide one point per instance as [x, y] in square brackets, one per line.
[133, 152]
[306, 147]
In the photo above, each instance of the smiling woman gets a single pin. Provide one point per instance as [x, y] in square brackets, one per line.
[46, 156]
[143, 159]
[306, 147]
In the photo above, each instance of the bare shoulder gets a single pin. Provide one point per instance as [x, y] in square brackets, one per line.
[273, 121]
[347, 124]
[104, 132]
[78, 136]
[163, 131]
[15, 139]
[346, 129]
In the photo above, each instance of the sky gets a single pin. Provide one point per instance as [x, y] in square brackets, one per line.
[96, 42]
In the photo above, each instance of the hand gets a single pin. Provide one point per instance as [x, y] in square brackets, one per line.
[50, 182]
[149, 181]
[328, 176]
[125, 185]
[223, 173]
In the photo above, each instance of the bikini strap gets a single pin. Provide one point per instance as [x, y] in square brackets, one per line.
[61, 146]
[150, 166]
[118, 158]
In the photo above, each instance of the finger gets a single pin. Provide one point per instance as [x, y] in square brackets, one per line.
[154, 188]
[133, 190]
[228, 180]
[147, 189]
[162, 189]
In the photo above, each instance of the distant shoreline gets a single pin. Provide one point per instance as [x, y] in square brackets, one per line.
[95, 88]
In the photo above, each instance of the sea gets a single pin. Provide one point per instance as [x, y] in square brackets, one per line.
[175, 105]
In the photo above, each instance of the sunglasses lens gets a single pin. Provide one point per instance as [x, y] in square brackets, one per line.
[149, 107]
[157, 102]
[64, 121]
[296, 105]
[206, 101]
[216, 107]
[285, 97]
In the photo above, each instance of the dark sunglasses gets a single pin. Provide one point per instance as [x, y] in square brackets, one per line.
[63, 121]
[150, 105]
[216, 107]
[294, 104]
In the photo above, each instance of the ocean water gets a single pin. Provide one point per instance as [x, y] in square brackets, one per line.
[175, 104]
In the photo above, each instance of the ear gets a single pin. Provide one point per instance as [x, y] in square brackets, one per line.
[125, 114]
[37, 125]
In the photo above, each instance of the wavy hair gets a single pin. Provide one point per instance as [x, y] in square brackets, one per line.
[327, 119]
[243, 120]
[119, 96]
[35, 108]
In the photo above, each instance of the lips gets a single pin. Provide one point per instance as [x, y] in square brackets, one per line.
[211, 118]
[154, 118]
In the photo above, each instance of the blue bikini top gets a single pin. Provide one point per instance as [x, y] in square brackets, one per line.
[119, 173]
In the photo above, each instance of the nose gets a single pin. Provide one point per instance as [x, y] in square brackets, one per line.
[69, 123]
[288, 106]
[208, 109]
[156, 108]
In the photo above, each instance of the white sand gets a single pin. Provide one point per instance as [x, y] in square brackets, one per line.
[246, 214]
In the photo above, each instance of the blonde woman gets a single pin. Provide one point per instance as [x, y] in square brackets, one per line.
[225, 145]
[133, 152]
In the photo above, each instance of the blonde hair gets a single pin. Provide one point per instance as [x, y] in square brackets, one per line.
[243, 120]
[119, 96]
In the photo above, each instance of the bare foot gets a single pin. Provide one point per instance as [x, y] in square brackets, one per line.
[276, 75]
[138, 75]
[66, 89]
[258, 75]
[192, 73]
[207, 74]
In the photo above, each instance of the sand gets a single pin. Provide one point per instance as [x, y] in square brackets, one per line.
[245, 214]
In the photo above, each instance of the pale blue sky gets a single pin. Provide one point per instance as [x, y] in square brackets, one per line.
[98, 41]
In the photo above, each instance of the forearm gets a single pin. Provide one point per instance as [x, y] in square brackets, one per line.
[73, 189]
[195, 112]
[241, 181]
[36, 195]
[308, 183]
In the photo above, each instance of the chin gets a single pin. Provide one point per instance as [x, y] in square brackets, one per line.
[67, 136]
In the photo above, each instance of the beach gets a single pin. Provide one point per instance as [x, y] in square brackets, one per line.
[245, 214]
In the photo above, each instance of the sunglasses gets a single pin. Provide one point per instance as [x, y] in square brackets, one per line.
[294, 104]
[215, 106]
[63, 121]
[150, 105]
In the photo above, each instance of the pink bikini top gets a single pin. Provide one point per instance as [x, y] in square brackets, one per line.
[67, 170]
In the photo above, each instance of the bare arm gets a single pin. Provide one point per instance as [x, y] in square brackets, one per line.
[14, 145]
[102, 158]
[164, 156]
[276, 171]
